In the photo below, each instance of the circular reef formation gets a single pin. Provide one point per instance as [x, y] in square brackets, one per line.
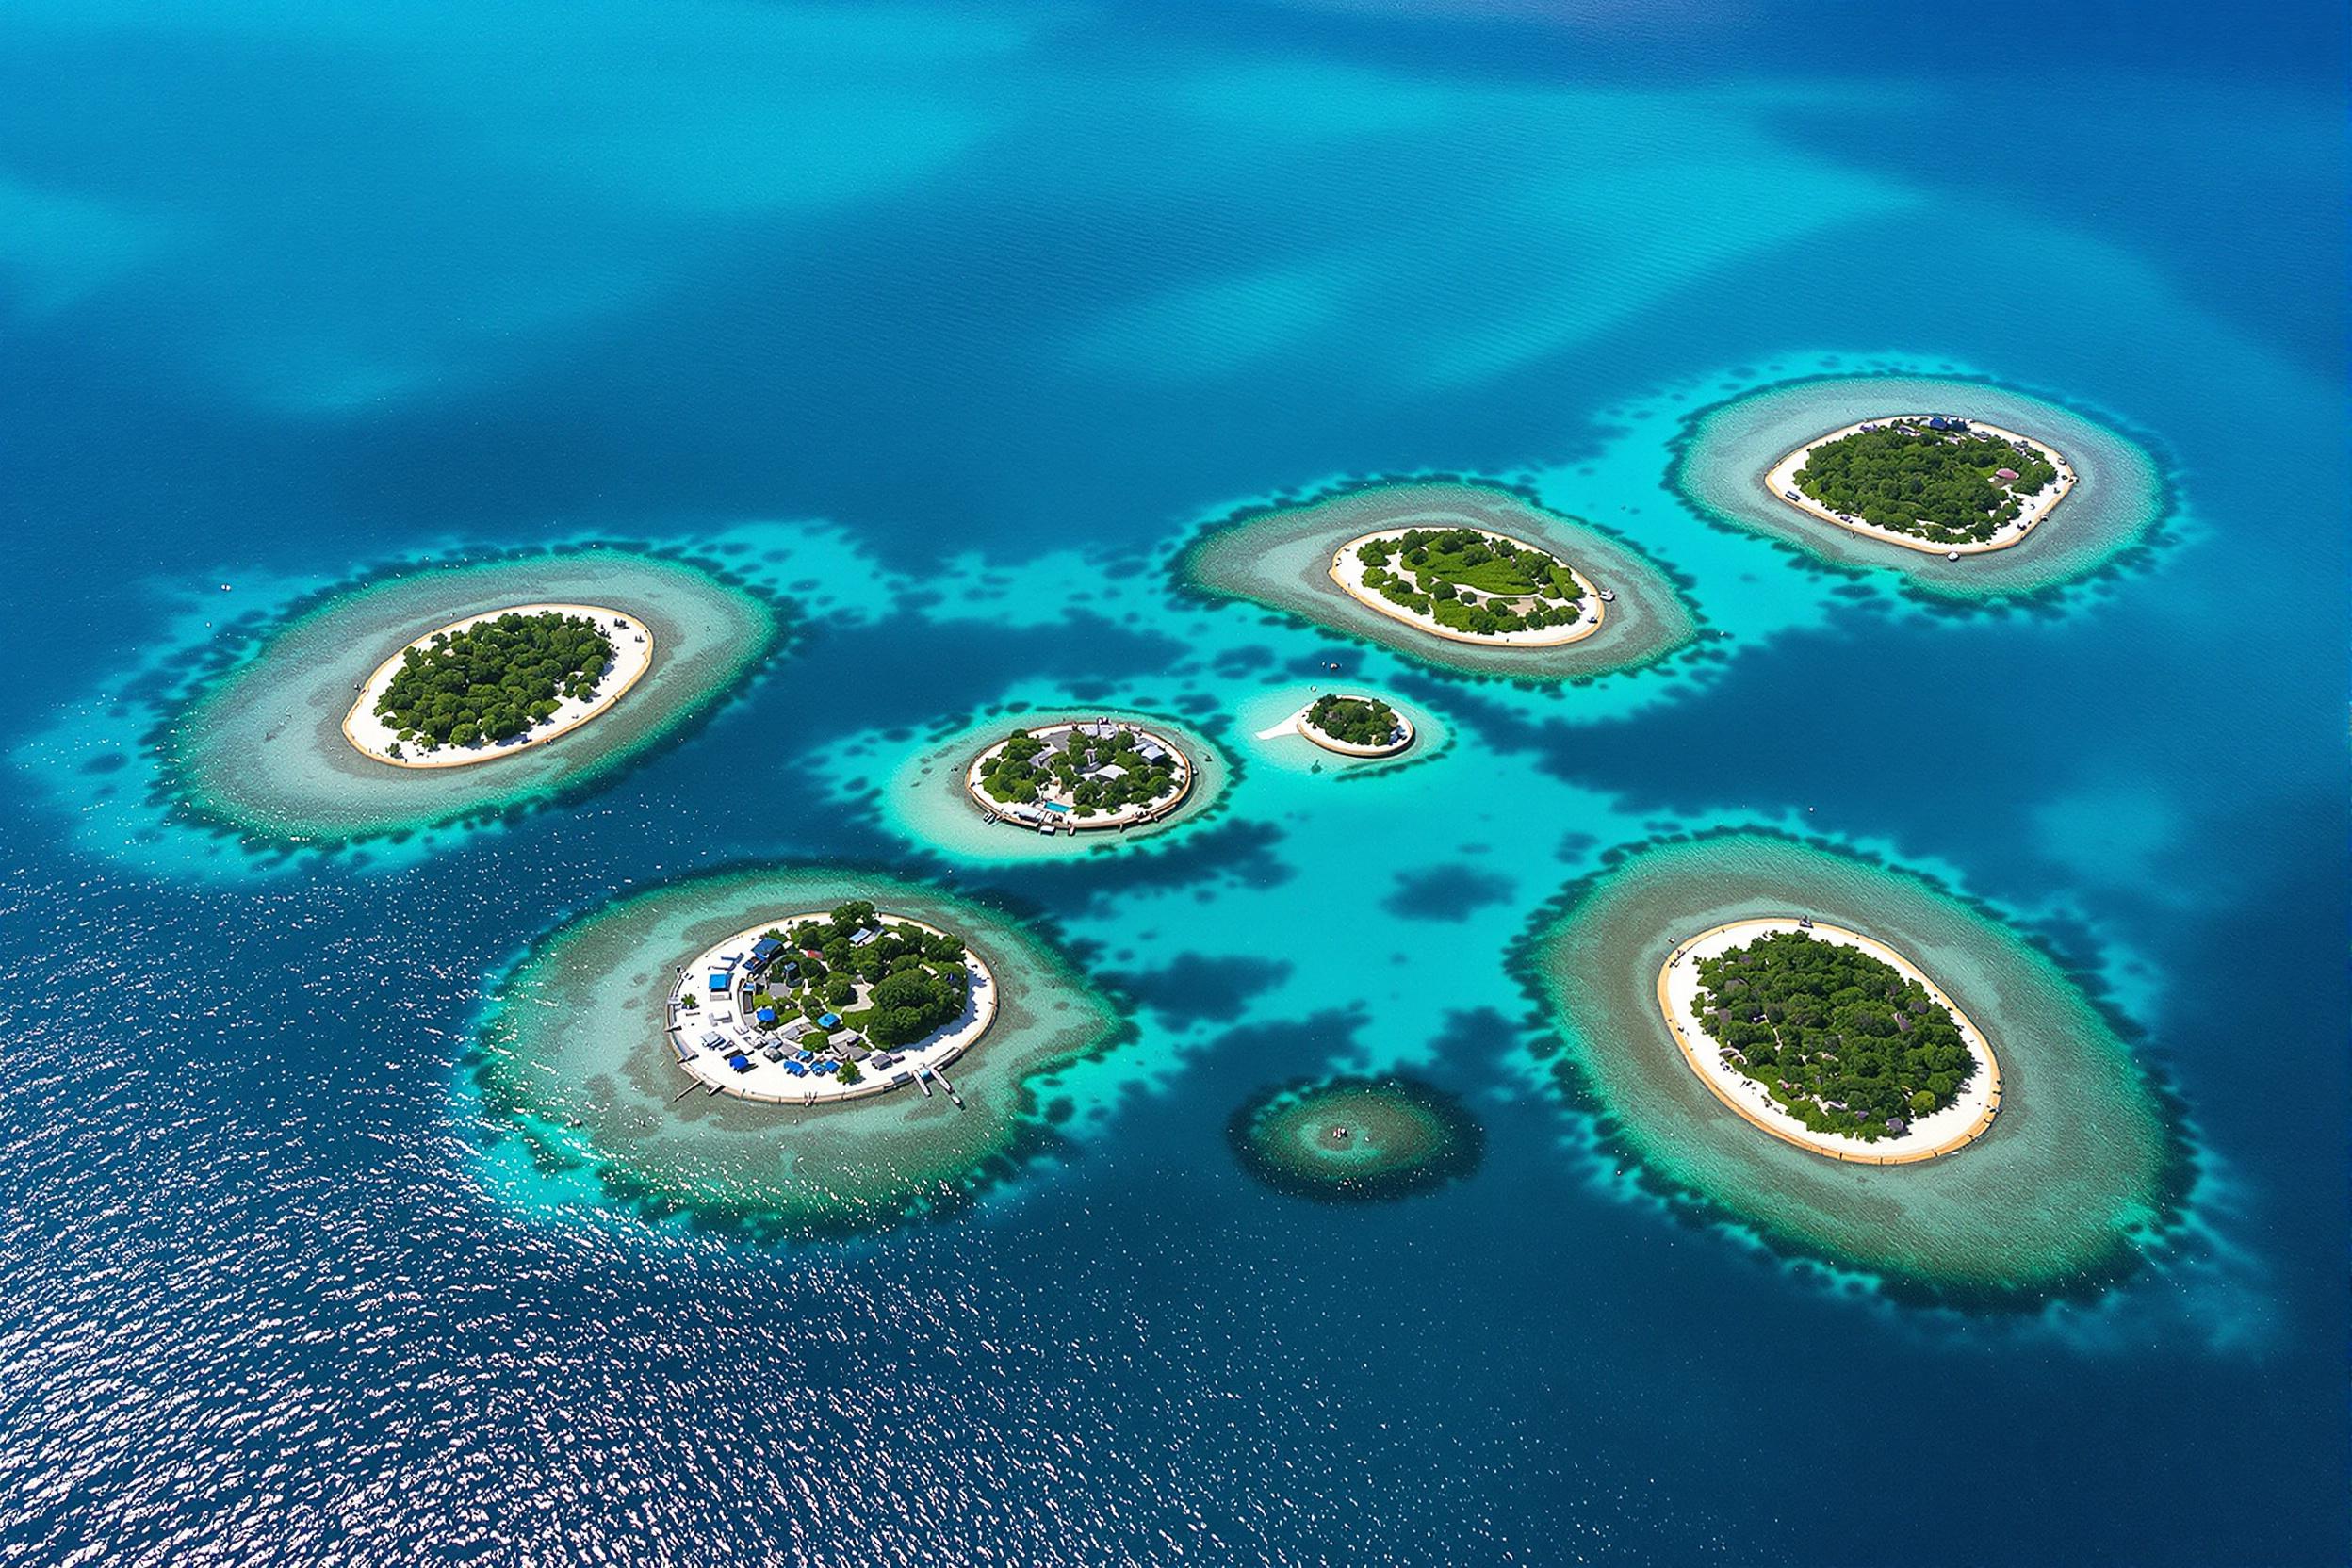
[938, 795]
[1306, 560]
[1836, 467]
[579, 1056]
[1081, 776]
[488, 686]
[2065, 1188]
[261, 746]
[1356, 1139]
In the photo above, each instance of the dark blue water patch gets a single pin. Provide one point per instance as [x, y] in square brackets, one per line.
[1196, 989]
[1451, 893]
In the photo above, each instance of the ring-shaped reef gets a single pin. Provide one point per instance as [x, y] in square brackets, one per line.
[1280, 558]
[260, 747]
[1356, 1139]
[2077, 1177]
[572, 1057]
[925, 799]
[2118, 498]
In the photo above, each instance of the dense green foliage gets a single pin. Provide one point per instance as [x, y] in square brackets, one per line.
[494, 680]
[1933, 484]
[1469, 583]
[1840, 1038]
[897, 986]
[1358, 721]
[1088, 773]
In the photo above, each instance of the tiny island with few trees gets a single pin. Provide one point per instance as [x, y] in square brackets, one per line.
[1101, 772]
[1363, 725]
[1471, 583]
[1840, 1039]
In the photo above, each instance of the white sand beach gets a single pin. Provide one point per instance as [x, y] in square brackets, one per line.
[1348, 571]
[1957, 1124]
[1781, 479]
[709, 1039]
[632, 655]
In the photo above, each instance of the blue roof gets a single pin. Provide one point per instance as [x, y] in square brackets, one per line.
[828, 1021]
[798, 1069]
[718, 982]
[765, 1015]
[740, 1062]
[764, 946]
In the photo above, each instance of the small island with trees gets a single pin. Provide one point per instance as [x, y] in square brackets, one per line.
[1354, 725]
[829, 1006]
[1830, 1040]
[1928, 482]
[1471, 585]
[492, 684]
[1080, 775]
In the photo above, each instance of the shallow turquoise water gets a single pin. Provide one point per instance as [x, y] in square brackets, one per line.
[950, 327]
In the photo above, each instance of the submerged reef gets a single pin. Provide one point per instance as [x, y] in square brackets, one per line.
[1281, 559]
[260, 747]
[1356, 1139]
[2064, 1191]
[573, 1058]
[2118, 502]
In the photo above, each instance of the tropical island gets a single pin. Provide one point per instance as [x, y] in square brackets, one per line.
[1471, 584]
[1839, 1038]
[491, 684]
[1355, 725]
[1928, 482]
[829, 1006]
[2067, 1187]
[1080, 774]
[1829, 1039]
[596, 1078]
[1291, 558]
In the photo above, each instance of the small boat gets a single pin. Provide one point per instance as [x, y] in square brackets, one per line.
[1609, 596]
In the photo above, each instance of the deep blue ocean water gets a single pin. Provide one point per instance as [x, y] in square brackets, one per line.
[286, 290]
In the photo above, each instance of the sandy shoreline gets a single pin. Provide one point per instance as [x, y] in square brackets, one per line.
[686, 1030]
[1956, 1125]
[632, 656]
[1348, 571]
[1780, 479]
[1035, 815]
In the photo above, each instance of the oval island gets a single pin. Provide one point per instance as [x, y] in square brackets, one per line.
[1081, 776]
[2079, 1176]
[1518, 621]
[1829, 1041]
[829, 1005]
[265, 745]
[1354, 725]
[1356, 1139]
[592, 1061]
[1936, 482]
[1981, 533]
[487, 686]
[1471, 585]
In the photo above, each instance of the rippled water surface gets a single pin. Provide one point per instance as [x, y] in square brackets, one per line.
[944, 330]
